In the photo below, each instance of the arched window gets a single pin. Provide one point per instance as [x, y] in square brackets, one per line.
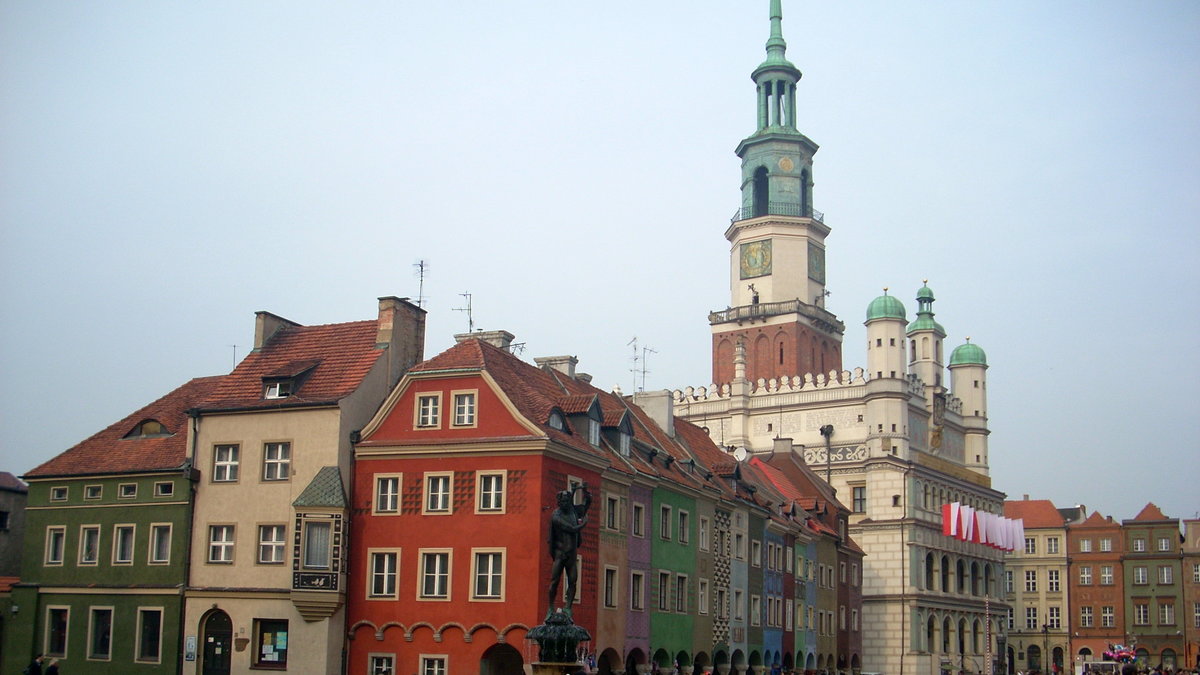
[925, 347]
[761, 197]
[929, 572]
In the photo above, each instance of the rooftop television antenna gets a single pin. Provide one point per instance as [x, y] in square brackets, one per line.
[422, 268]
[470, 314]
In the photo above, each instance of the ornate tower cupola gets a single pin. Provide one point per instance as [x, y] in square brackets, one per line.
[925, 337]
[777, 257]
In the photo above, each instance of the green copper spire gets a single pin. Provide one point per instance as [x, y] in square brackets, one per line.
[924, 320]
[776, 45]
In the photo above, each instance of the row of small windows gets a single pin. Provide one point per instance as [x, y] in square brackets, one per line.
[316, 545]
[385, 664]
[276, 462]
[428, 413]
[147, 642]
[434, 574]
[947, 637]
[122, 548]
[959, 577]
[934, 497]
[62, 493]
[436, 498]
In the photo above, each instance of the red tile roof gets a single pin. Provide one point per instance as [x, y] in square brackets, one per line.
[109, 451]
[333, 360]
[1095, 520]
[1036, 513]
[1151, 512]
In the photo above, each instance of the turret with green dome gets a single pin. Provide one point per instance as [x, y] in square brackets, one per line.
[969, 354]
[886, 307]
[924, 320]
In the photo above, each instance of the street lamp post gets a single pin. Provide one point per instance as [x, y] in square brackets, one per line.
[1046, 647]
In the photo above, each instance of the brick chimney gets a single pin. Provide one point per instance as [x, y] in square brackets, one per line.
[400, 330]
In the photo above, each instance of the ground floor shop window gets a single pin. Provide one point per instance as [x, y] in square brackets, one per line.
[270, 643]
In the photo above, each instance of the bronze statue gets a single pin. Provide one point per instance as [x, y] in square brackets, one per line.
[566, 523]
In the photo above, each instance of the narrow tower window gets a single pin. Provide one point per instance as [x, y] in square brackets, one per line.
[760, 191]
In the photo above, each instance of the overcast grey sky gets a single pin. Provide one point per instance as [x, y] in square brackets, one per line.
[168, 168]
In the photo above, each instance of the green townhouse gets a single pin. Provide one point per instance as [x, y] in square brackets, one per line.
[105, 554]
[673, 565]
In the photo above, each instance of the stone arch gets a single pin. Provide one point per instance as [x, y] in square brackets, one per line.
[683, 658]
[756, 658]
[855, 663]
[762, 357]
[661, 658]
[974, 578]
[976, 637]
[988, 581]
[725, 356]
[408, 634]
[946, 634]
[929, 572]
[501, 659]
[760, 193]
[701, 662]
[636, 657]
[608, 661]
[788, 662]
[962, 636]
[810, 662]
[440, 634]
[350, 634]
[738, 658]
[960, 568]
[945, 570]
[502, 634]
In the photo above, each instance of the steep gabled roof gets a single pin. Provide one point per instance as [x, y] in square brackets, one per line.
[330, 362]
[1036, 513]
[1149, 513]
[1095, 521]
[114, 451]
[323, 491]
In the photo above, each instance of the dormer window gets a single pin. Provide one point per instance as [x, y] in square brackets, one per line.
[593, 432]
[623, 443]
[556, 421]
[277, 389]
[148, 429]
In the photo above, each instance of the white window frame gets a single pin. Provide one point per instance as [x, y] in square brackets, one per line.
[610, 587]
[387, 503]
[118, 542]
[680, 589]
[387, 574]
[1139, 545]
[427, 410]
[156, 530]
[91, 632]
[1106, 575]
[1108, 616]
[59, 493]
[92, 493]
[127, 491]
[1106, 545]
[664, 591]
[704, 535]
[1053, 581]
[137, 648]
[487, 496]
[466, 408]
[278, 546]
[665, 522]
[307, 560]
[1085, 545]
[1141, 575]
[66, 632]
[226, 546]
[424, 556]
[637, 591]
[1141, 614]
[755, 610]
[495, 578]
[55, 534]
[434, 664]
[638, 524]
[445, 505]
[379, 663]
[702, 595]
[1164, 544]
[83, 537]
[685, 526]
[1085, 575]
[277, 461]
[1166, 575]
[164, 488]
[1087, 617]
[226, 469]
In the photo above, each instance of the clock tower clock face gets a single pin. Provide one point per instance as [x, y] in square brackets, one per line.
[816, 263]
[756, 259]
